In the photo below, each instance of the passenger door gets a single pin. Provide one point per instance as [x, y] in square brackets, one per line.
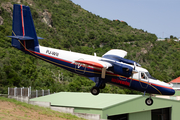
[143, 80]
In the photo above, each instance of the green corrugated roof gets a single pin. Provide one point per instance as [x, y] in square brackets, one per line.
[85, 100]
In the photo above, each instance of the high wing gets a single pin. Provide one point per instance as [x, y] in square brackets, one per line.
[107, 60]
[118, 55]
[98, 64]
[115, 52]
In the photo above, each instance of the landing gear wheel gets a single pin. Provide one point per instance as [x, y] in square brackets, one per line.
[102, 86]
[149, 101]
[95, 90]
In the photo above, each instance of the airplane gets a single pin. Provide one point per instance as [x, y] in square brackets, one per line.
[111, 68]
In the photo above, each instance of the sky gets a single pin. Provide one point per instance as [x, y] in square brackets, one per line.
[160, 17]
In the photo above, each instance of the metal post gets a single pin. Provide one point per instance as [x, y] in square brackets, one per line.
[28, 92]
[8, 91]
[36, 93]
[48, 92]
[15, 91]
[42, 92]
[21, 92]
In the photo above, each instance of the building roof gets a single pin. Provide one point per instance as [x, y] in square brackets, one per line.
[85, 100]
[177, 80]
[106, 104]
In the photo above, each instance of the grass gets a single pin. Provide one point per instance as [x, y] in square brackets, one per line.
[28, 111]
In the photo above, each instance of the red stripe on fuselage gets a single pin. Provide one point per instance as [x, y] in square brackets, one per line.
[100, 70]
[61, 59]
[161, 86]
[153, 84]
[22, 20]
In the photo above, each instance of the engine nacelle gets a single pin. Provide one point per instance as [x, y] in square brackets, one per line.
[123, 69]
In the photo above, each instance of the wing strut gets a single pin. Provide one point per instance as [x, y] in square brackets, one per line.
[103, 74]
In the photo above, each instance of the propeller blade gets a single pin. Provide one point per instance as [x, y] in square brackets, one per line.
[134, 65]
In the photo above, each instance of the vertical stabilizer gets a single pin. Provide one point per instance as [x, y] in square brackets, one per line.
[23, 29]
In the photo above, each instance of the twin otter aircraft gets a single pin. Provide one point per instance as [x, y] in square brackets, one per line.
[111, 68]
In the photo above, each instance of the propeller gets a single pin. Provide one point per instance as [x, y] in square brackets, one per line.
[133, 72]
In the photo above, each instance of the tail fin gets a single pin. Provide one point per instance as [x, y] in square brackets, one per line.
[23, 29]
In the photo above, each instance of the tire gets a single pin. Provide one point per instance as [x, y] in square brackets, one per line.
[149, 101]
[102, 86]
[95, 90]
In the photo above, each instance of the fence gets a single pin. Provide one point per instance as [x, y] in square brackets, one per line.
[26, 92]
[38, 93]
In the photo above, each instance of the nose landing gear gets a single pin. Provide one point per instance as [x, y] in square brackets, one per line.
[149, 101]
[95, 90]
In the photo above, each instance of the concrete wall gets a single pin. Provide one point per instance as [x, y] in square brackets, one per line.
[63, 109]
[20, 98]
[42, 104]
[82, 115]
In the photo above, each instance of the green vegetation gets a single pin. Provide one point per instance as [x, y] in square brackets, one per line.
[76, 29]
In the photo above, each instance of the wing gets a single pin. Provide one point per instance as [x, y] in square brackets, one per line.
[99, 64]
[115, 53]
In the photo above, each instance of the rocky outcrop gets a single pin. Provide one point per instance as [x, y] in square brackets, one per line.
[1, 20]
[47, 18]
[29, 2]
[8, 7]
[143, 50]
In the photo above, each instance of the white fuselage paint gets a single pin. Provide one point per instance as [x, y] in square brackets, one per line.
[66, 55]
[72, 56]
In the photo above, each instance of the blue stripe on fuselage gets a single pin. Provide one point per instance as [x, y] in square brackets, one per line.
[89, 72]
[110, 77]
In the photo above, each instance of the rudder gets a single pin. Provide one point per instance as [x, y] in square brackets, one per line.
[23, 29]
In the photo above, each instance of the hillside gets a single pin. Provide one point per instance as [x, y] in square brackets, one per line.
[64, 25]
[11, 109]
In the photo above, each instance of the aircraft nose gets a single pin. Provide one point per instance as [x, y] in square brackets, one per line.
[168, 89]
[170, 92]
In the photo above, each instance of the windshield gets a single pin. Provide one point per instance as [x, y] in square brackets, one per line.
[149, 76]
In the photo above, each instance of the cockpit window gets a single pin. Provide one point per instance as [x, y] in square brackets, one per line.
[138, 64]
[143, 76]
[149, 76]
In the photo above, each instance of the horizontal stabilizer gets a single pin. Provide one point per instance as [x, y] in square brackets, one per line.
[22, 37]
[40, 38]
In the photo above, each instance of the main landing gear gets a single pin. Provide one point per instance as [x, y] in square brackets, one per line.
[95, 90]
[149, 101]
